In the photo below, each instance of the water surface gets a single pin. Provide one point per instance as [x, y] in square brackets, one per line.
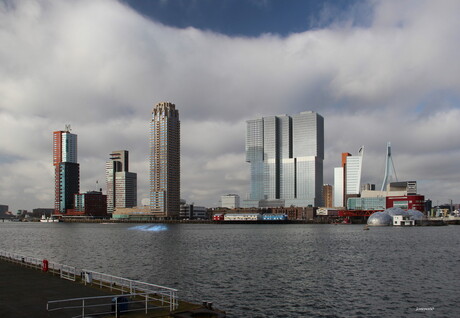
[259, 270]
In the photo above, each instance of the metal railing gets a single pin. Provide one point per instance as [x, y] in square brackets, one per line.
[21, 259]
[64, 271]
[105, 305]
[162, 294]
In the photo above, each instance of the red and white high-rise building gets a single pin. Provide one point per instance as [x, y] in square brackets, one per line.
[66, 170]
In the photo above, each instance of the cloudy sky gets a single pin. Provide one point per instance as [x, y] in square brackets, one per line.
[377, 71]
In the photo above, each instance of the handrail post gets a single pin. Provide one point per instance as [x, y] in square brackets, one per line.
[83, 309]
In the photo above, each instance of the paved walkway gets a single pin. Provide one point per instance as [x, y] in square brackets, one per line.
[24, 291]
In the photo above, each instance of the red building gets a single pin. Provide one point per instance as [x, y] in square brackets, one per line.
[407, 202]
[218, 217]
[92, 203]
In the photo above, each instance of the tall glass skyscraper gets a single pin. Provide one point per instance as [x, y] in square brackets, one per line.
[165, 160]
[66, 170]
[286, 156]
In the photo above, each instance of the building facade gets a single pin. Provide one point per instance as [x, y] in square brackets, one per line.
[347, 178]
[231, 201]
[328, 196]
[121, 184]
[66, 170]
[286, 159]
[338, 187]
[353, 173]
[165, 161]
[193, 212]
[91, 203]
[3, 209]
[413, 202]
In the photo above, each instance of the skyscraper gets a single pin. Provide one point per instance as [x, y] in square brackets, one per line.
[353, 173]
[286, 156]
[66, 169]
[347, 178]
[339, 186]
[327, 196]
[165, 160]
[121, 184]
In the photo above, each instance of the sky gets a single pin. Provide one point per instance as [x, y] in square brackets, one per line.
[377, 71]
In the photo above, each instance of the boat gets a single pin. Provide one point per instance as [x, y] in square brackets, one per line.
[49, 219]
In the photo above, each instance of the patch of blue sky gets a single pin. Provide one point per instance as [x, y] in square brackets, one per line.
[256, 17]
[439, 99]
[5, 158]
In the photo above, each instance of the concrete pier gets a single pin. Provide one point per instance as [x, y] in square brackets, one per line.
[25, 292]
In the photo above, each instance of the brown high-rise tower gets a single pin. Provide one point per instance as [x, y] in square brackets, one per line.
[165, 160]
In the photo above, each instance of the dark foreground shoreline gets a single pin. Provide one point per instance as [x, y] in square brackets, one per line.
[25, 292]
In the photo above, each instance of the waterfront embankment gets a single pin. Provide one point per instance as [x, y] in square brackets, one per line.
[28, 291]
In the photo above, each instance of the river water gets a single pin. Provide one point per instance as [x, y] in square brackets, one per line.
[263, 270]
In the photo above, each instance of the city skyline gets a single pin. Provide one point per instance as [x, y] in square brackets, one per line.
[377, 71]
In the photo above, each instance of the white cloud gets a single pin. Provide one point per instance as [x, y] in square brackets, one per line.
[101, 67]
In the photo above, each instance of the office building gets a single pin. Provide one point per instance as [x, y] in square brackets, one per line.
[327, 196]
[121, 184]
[353, 173]
[165, 161]
[347, 178]
[231, 201]
[338, 187]
[91, 203]
[3, 209]
[286, 160]
[67, 170]
[193, 212]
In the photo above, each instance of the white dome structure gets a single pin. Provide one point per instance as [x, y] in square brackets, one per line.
[386, 217]
[379, 219]
[416, 215]
[395, 211]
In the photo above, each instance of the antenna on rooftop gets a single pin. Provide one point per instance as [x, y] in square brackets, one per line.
[67, 128]
[389, 168]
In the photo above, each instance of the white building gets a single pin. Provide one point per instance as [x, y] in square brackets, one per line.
[338, 187]
[347, 178]
[231, 201]
[403, 220]
[243, 217]
[353, 172]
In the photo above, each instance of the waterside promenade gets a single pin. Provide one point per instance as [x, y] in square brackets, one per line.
[26, 291]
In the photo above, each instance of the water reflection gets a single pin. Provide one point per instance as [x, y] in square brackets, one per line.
[149, 228]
